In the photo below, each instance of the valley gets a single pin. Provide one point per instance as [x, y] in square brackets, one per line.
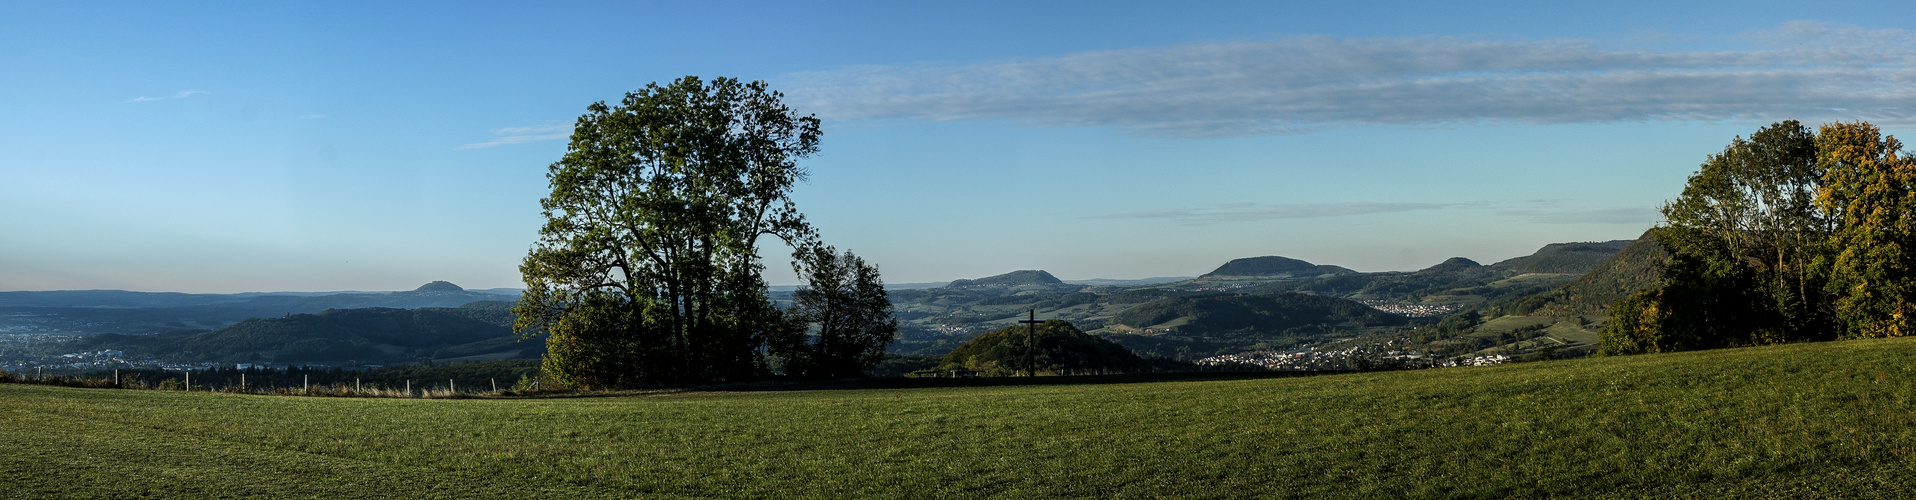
[1256, 313]
[1278, 304]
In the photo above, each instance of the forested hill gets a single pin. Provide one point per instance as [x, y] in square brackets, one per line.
[1260, 312]
[1274, 266]
[1014, 278]
[1628, 271]
[1248, 303]
[1452, 264]
[1058, 347]
[1566, 258]
[1462, 281]
[480, 330]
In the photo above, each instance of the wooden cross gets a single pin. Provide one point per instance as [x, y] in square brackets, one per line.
[1031, 335]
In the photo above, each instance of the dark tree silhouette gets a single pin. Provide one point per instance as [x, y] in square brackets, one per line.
[647, 269]
[842, 318]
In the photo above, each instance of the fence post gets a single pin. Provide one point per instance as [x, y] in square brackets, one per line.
[116, 378]
[242, 382]
[450, 387]
[409, 388]
[495, 384]
[355, 384]
[189, 380]
[305, 383]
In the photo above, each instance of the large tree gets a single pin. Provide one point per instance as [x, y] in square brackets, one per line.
[647, 269]
[1787, 236]
[1744, 242]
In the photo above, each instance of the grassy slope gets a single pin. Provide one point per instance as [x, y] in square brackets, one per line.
[1832, 419]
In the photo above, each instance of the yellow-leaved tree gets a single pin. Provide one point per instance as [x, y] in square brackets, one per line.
[1872, 194]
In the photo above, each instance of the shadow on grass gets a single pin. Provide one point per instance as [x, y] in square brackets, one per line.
[786, 385]
[892, 383]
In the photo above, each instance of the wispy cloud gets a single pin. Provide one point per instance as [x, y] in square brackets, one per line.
[176, 95]
[518, 135]
[1238, 212]
[1801, 70]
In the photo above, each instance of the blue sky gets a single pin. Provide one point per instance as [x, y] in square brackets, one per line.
[342, 146]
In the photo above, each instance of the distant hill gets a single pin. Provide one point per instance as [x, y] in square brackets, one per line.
[1570, 258]
[1059, 347]
[1182, 324]
[1630, 270]
[1274, 266]
[1452, 264]
[118, 311]
[434, 294]
[1459, 281]
[1197, 325]
[1218, 313]
[1014, 278]
[368, 335]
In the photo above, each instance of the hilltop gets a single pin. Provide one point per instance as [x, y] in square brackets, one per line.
[438, 287]
[1014, 278]
[1274, 266]
[1568, 258]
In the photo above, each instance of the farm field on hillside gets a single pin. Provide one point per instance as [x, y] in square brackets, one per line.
[1798, 420]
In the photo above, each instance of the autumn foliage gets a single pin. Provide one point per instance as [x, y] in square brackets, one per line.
[1787, 236]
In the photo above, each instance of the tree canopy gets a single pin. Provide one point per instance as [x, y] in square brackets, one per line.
[1872, 195]
[1787, 236]
[647, 268]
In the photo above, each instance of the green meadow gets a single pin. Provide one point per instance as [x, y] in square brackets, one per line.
[1806, 420]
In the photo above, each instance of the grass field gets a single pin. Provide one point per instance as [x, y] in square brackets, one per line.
[1812, 420]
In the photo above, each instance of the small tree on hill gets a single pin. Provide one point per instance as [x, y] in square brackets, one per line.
[1061, 348]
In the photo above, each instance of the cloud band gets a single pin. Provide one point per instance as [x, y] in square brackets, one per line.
[1309, 83]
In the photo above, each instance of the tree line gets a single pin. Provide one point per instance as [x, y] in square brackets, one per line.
[1789, 235]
